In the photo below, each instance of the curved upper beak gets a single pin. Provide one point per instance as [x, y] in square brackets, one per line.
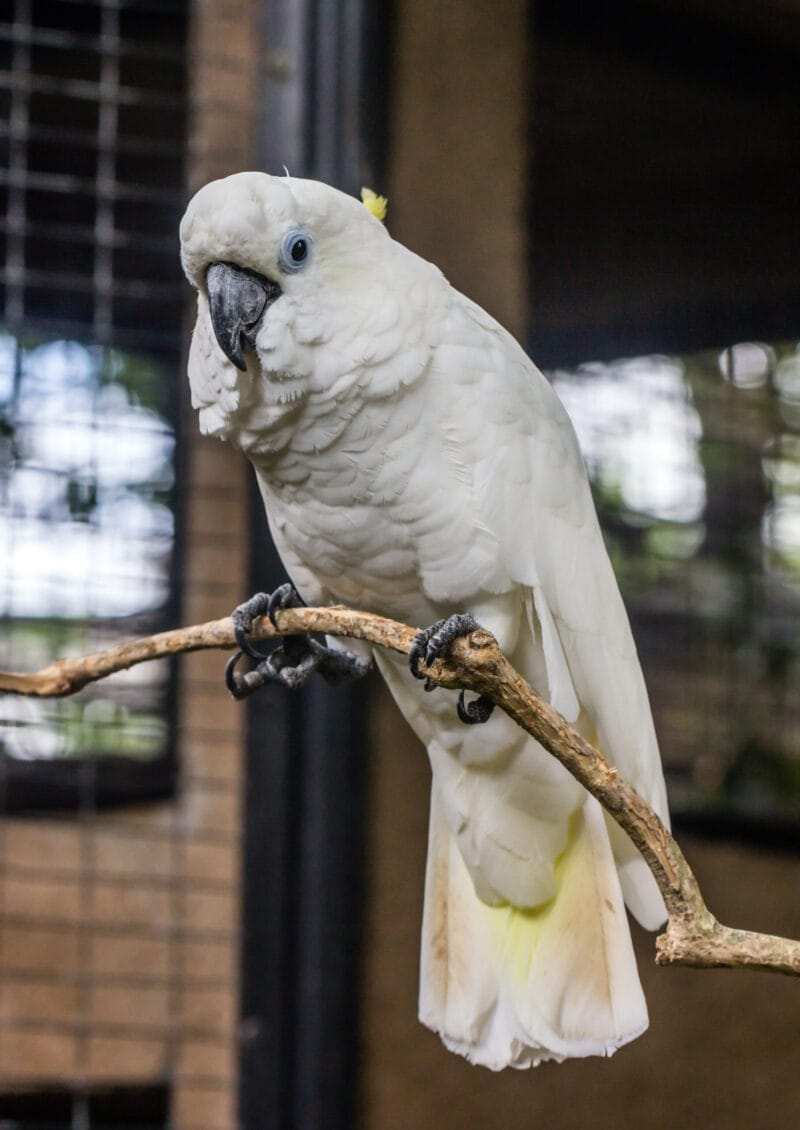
[238, 299]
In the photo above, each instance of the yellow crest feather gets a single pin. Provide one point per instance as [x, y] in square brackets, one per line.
[374, 203]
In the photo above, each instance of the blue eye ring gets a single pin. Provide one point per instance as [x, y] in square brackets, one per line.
[295, 250]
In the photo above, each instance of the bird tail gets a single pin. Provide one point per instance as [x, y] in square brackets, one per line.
[508, 987]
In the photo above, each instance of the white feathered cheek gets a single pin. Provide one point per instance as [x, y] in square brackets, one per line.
[212, 378]
[279, 352]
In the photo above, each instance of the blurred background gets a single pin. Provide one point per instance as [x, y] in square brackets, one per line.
[210, 911]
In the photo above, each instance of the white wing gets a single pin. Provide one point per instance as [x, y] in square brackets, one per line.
[526, 953]
[509, 438]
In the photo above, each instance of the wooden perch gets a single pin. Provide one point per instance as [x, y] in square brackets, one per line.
[692, 936]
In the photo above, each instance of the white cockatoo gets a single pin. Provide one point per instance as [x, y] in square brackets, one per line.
[413, 462]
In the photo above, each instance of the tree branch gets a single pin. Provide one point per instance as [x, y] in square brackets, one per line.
[692, 936]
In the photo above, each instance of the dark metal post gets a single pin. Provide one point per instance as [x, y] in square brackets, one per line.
[306, 765]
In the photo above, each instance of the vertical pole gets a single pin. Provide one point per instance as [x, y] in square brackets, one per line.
[305, 763]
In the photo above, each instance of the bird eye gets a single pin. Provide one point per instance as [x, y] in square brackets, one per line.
[295, 250]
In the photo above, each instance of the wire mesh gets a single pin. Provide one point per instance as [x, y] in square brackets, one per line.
[695, 464]
[109, 930]
[87, 427]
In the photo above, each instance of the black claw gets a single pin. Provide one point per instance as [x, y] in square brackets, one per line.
[475, 712]
[286, 596]
[432, 643]
[241, 686]
[233, 680]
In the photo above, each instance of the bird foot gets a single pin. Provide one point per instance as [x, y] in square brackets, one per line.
[434, 643]
[294, 660]
[262, 604]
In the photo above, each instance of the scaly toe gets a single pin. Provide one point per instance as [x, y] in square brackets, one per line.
[243, 616]
[286, 596]
[419, 648]
[445, 632]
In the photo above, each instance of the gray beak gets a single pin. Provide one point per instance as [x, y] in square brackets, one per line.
[238, 299]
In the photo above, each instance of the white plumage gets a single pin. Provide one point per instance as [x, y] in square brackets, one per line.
[414, 462]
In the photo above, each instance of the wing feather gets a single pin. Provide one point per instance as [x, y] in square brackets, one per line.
[529, 488]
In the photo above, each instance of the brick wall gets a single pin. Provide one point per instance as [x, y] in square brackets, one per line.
[119, 940]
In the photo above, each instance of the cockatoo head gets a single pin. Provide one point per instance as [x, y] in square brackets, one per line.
[295, 280]
[251, 239]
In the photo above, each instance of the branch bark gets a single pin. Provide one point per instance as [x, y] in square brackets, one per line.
[693, 936]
